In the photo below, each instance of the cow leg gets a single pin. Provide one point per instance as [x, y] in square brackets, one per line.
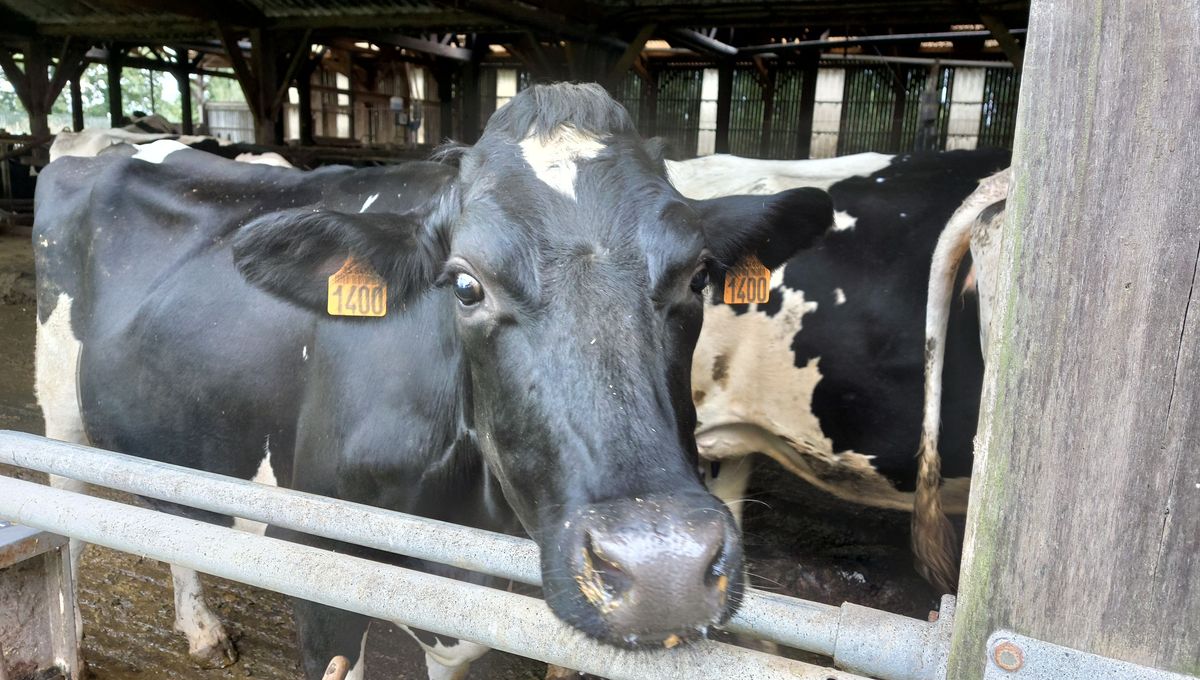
[208, 643]
[446, 658]
[728, 479]
[323, 632]
[56, 382]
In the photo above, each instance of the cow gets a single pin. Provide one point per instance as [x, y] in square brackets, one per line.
[94, 141]
[826, 377]
[974, 226]
[530, 373]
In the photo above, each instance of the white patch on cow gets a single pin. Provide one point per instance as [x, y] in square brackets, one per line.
[193, 618]
[264, 475]
[724, 175]
[730, 483]
[843, 220]
[56, 374]
[448, 663]
[304, 353]
[839, 296]
[367, 203]
[554, 158]
[359, 670]
[752, 398]
[156, 152]
[880, 180]
[269, 158]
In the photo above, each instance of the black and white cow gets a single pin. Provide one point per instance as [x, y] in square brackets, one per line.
[826, 377]
[532, 371]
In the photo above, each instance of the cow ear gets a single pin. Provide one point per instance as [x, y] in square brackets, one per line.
[772, 227]
[292, 253]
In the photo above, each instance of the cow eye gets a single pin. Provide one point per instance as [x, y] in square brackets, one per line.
[700, 279]
[467, 289]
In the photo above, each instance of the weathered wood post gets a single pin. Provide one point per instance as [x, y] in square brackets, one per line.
[1084, 527]
[724, 104]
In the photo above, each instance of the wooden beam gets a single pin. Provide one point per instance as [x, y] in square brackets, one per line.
[702, 43]
[1084, 522]
[246, 78]
[630, 55]
[1008, 43]
[783, 48]
[433, 47]
[301, 52]
[17, 78]
[71, 63]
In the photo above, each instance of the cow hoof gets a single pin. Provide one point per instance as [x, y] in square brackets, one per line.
[220, 653]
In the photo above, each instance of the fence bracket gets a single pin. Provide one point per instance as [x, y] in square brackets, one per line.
[1017, 657]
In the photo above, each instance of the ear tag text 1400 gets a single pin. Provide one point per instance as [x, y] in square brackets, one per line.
[749, 281]
[356, 290]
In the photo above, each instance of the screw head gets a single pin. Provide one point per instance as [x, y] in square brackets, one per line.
[1008, 656]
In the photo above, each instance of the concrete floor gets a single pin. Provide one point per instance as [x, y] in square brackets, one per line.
[799, 541]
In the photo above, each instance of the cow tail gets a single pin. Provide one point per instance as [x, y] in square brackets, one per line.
[934, 541]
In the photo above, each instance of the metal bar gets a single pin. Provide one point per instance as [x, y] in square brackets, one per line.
[924, 61]
[494, 618]
[811, 626]
[869, 40]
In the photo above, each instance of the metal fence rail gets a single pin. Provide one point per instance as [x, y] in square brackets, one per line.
[864, 640]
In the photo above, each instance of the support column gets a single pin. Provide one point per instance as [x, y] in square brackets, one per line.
[76, 105]
[113, 63]
[648, 106]
[768, 119]
[810, 66]
[304, 94]
[724, 103]
[445, 93]
[469, 77]
[36, 64]
[183, 78]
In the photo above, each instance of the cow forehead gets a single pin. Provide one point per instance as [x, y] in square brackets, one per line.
[554, 158]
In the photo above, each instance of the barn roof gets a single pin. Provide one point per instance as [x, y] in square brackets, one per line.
[149, 20]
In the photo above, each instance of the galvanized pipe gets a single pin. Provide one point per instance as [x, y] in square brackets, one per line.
[494, 618]
[811, 626]
[841, 633]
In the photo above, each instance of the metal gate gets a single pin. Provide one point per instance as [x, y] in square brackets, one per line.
[881, 108]
[998, 119]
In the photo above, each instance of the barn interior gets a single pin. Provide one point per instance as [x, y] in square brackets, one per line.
[368, 82]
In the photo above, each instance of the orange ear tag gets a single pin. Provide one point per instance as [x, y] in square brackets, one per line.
[356, 290]
[747, 282]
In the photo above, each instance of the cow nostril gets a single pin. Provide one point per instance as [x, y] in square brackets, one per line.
[717, 575]
[602, 581]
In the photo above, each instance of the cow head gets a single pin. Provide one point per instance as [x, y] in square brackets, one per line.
[576, 273]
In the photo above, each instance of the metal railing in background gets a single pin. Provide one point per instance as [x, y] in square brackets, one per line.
[859, 639]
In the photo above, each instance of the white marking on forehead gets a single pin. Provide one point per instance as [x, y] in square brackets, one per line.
[367, 203]
[839, 296]
[843, 220]
[553, 158]
[155, 152]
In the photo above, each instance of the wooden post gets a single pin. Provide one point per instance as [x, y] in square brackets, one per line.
[182, 73]
[1084, 523]
[304, 94]
[648, 106]
[445, 92]
[768, 119]
[36, 64]
[900, 87]
[724, 103]
[809, 63]
[113, 64]
[469, 77]
[76, 105]
[264, 61]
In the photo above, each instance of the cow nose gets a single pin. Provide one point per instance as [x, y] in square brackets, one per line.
[658, 570]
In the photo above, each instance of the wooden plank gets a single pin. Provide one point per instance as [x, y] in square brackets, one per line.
[1008, 43]
[16, 77]
[76, 105]
[631, 53]
[1084, 523]
[810, 63]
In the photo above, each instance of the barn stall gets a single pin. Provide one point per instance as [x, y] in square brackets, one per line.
[321, 86]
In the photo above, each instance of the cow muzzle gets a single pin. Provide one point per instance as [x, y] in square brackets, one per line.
[657, 570]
